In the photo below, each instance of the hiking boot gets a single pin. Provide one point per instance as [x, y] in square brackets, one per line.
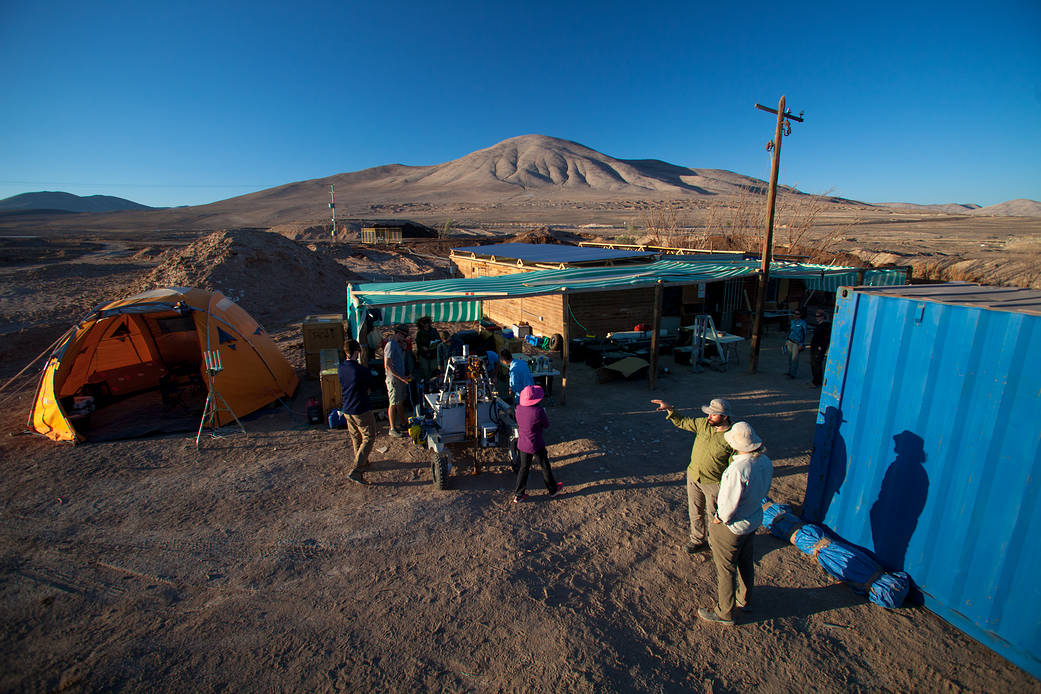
[519, 498]
[709, 615]
[396, 434]
[560, 485]
[356, 477]
[695, 547]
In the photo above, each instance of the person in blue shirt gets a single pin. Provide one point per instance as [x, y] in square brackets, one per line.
[796, 342]
[355, 382]
[520, 374]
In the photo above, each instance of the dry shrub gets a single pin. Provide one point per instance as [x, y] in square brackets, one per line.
[663, 226]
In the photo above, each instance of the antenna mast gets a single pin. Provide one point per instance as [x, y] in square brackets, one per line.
[332, 206]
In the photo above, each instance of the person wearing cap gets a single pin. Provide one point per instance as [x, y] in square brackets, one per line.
[795, 342]
[708, 458]
[427, 341]
[739, 511]
[819, 347]
[531, 420]
[397, 380]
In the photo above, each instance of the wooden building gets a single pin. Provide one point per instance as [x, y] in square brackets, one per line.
[381, 235]
[590, 313]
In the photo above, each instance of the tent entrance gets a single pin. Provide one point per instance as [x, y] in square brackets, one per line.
[136, 375]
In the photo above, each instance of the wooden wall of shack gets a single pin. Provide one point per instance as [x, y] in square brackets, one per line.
[600, 312]
[593, 313]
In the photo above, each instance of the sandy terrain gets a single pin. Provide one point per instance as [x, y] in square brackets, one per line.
[254, 564]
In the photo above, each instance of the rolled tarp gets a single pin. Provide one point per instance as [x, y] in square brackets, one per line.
[840, 559]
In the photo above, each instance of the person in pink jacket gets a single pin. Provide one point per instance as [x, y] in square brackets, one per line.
[531, 420]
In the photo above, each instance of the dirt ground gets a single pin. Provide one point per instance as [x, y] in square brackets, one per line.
[254, 564]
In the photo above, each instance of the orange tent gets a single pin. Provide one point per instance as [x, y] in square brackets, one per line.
[151, 341]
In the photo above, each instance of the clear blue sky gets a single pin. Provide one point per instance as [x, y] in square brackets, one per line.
[191, 102]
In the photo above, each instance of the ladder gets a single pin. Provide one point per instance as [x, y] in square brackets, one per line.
[705, 331]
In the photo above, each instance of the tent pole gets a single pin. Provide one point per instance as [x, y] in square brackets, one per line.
[565, 348]
[655, 327]
[42, 354]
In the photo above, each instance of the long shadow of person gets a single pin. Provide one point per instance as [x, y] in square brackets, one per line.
[894, 515]
[827, 467]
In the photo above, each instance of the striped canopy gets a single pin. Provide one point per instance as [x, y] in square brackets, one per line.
[460, 299]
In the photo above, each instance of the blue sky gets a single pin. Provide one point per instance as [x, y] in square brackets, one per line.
[192, 102]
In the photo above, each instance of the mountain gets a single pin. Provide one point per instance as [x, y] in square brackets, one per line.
[67, 202]
[948, 208]
[517, 179]
[1012, 208]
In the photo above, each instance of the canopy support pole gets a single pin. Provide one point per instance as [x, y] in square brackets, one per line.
[655, 328]
[565, 348]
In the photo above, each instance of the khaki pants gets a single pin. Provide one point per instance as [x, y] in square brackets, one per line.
[735, 568]
[793, 358]
[701, 505]
[362, 430]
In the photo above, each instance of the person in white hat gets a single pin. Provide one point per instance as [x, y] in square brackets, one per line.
[739, 511]
[708, 458]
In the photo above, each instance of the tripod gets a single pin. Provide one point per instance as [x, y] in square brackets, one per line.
[211, 409]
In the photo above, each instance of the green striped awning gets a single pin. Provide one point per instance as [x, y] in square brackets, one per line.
[460, 299]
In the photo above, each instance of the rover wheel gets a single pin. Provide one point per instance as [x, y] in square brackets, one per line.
[440, 470]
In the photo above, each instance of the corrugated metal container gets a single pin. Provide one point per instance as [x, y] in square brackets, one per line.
[928, 450]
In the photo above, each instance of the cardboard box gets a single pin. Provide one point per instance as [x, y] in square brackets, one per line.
[323, 332]
[332, 396]
[317, 362]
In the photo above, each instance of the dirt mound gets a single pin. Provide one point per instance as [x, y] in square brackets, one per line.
[303, 232]
[547, 234]
[272, 277]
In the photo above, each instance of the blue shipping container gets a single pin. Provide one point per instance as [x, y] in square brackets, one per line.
[928, 450]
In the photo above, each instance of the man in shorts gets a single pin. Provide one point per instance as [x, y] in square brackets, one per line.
[397, 381]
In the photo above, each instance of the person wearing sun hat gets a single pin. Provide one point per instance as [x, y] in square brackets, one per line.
[531, 420]
[708, 458]
[739, 513]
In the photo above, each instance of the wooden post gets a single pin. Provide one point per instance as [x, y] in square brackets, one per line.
[655, 327]
[764, 272]
[565, 348]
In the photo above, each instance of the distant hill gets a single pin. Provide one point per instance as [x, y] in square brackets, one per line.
[527, 174]
[51, 201]
[947, 208]
[1012, 208]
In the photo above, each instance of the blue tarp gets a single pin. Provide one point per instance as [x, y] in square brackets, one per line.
[839, 558]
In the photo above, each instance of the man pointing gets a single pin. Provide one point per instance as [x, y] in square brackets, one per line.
[708, 459]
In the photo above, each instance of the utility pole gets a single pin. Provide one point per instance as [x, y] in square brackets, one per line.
[784, 127]
[332, 206]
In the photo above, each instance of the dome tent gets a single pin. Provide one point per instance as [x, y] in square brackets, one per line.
[147, 342]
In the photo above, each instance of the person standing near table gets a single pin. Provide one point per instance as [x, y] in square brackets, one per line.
[819, 347]
[397, 380]
[796, 342]
[708, 458]
[739, 512]
[531, 420]
[355, 382]
[520, 374]
[427, 341]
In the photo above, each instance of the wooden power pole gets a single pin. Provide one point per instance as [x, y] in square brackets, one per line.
[783, 128]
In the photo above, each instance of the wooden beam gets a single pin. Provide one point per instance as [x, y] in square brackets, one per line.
[655, 327]
[564, 348]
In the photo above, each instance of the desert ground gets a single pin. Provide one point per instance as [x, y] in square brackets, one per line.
[254, 564]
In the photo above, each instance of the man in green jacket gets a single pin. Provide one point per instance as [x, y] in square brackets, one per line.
[708, 459]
